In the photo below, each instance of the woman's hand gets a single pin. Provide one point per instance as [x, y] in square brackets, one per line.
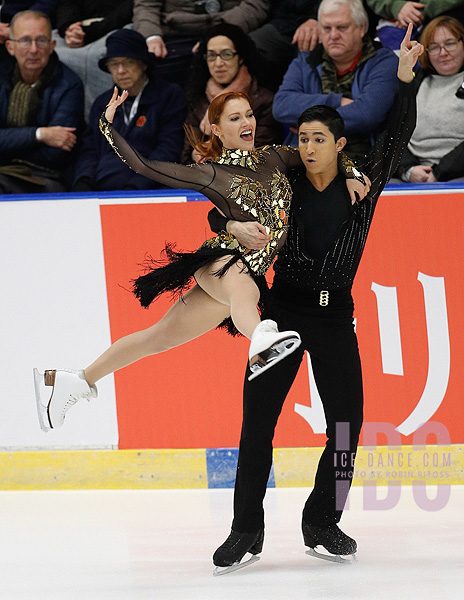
[357, 189]
[409, 53]
[421, 174]
[113, 104]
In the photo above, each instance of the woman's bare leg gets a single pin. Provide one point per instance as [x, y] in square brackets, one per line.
[186, 320]
[235, 289]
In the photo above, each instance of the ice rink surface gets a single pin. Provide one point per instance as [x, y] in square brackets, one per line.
[157, 545]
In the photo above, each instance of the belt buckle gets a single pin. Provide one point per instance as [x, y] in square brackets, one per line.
[324, 298]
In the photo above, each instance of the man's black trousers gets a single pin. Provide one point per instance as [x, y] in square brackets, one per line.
[328, 335]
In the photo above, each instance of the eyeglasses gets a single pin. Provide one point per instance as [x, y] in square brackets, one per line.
[126, 63]
[450, 46]
[211, 56]
[41, 42]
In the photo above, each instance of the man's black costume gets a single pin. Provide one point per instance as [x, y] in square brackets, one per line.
[314, 273]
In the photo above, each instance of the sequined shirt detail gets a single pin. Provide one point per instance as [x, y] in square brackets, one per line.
[337, 268]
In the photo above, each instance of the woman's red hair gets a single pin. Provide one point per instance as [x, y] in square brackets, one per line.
[212, 148]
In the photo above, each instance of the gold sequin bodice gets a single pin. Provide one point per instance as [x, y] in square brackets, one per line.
[266, 200]
[243, 185]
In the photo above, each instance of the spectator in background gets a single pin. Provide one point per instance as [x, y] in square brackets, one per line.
[173, 27]
[436, 149]
[292, 27]
[8, 9]
[346, 71]
[41, 110]
[397, 14]
[227, 61]
[80, 40]
[151, 118]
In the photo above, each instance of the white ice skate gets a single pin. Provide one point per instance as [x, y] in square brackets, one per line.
[68, 388]
[269, 346]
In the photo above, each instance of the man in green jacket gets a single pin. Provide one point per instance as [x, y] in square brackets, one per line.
[411, 12]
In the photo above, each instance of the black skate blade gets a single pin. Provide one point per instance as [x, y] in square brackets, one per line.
[235, 567]
[336, 558]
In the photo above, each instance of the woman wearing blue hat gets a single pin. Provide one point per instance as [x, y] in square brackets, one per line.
[151, 119]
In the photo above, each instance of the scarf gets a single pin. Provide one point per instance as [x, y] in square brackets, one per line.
[341, 84]
[241, 83]
[25, 100]
[358, 143]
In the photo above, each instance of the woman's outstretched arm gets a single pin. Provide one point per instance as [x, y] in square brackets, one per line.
[193, 177]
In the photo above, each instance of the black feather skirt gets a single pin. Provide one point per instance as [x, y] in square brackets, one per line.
[174, 273]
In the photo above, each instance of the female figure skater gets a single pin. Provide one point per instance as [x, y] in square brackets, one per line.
[245, 185]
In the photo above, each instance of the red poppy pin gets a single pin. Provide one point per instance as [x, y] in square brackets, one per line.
[141, 121]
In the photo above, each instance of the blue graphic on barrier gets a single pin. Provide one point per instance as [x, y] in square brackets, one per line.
[221, 465]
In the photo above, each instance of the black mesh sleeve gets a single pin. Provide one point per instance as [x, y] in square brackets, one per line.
[193, 177]
[384, 159]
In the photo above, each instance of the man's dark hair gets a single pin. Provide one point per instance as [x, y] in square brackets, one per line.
[327, 115]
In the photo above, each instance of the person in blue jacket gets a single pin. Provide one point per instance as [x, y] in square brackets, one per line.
[41, 110]
[346, 72]
[151, 120]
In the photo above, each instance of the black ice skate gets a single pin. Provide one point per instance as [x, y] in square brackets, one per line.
[228, 557]
[332, 538]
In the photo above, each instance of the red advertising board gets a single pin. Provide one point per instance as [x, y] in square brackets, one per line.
[408, 298]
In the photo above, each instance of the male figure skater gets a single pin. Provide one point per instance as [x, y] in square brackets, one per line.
[314, 273]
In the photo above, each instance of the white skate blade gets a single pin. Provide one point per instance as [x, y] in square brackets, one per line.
[235, 567]
[332, 557]
[42, 410]
[284, 347]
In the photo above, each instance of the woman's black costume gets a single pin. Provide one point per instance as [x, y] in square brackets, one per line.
[243, 185]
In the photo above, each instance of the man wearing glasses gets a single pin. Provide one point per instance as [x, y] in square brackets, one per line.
[41, 110]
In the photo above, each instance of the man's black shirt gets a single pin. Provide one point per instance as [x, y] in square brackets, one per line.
[319, 215]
